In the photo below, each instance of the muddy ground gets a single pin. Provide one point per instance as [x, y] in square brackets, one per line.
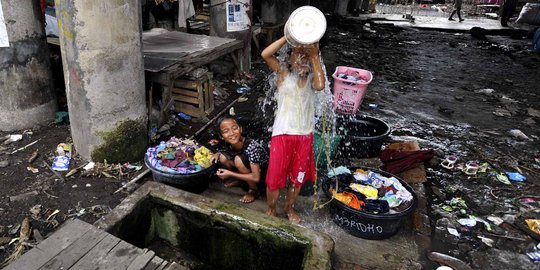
[428, 86]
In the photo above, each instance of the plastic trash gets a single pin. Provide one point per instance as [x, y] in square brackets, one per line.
[453, 232]
[184, 116]
[449, 162]
[469, 222]
[501, 178]
[243, 90]
[518, 134]
[61, 163]
[515, 176]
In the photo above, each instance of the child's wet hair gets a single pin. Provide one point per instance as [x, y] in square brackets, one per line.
[223, 118]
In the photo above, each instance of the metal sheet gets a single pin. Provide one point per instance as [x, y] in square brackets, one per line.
[163, 49]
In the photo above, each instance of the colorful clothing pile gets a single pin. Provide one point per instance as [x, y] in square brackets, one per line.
[179, 156]
[370, 191]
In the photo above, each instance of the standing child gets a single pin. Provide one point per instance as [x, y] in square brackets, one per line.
[291, 149]
[243, 160]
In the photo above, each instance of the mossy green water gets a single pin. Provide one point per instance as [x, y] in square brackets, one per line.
[125, 143]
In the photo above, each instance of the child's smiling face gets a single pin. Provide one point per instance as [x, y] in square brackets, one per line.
[230, 131]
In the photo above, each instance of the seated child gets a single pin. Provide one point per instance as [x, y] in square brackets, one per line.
[243, 160]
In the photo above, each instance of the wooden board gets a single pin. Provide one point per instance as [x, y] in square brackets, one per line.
[71, 254]
[416, 175]
[90, 259]
[48, 248]
[79, 245]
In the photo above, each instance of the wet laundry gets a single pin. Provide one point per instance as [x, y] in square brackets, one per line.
[179, 156]
[377, 193]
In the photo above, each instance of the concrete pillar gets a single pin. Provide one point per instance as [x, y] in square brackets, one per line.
[104, 75]
[218, 27]
[275, 11]
[26, 86]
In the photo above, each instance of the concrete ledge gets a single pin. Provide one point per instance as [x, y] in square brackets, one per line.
[319, 246]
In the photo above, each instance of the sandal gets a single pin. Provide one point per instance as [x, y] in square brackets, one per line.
[250, 196]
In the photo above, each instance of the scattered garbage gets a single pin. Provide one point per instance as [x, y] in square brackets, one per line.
[11, 138]
[518, 134]
[184, 116]
[243, 90]
[63, 157]
[534, 225]
[487, 91]
[32, 169]
[502, 112]
[501, 178]
[535, 254]
[4, 163]
[33, 156]
[89, 166]
[449, 162]
[515, 176]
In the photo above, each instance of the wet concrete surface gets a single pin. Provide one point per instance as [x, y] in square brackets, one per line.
[397, 252]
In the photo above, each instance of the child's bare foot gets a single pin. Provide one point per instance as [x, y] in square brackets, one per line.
[231, 183]
[250, 196]
[271, 212]
[294, 218]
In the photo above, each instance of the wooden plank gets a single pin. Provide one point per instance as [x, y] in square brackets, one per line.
[185, 92]
[175, 266]
[119, 257]
[74, 252]
[54, 244]
[163, 265]
[189, 109]
[187, 84]
[154, 263]
[187, 99]
[200, 91]
[97, 254]
[416, 175]
[142, 260]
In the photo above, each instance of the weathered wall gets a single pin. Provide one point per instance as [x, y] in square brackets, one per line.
[218, 27]
[275, 11]
[104, 75]
[26, 88]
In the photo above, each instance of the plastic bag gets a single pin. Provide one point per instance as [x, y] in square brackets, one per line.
[51, 27]
[530, 13]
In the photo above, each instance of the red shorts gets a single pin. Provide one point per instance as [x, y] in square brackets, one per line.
[292, 156]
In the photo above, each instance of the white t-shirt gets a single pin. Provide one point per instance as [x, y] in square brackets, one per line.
[295, 113]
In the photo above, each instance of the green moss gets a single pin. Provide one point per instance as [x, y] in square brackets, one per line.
[126, 142]
[165, 225]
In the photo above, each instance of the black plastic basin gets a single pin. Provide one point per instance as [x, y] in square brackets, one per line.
[362, 136]
[192, 182]
[367, 225]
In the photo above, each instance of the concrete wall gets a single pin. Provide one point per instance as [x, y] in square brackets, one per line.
[26, 88]
[104, 75]
[218, 27]
[275, 11]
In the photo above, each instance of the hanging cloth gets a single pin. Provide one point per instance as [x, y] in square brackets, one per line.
[185, 11]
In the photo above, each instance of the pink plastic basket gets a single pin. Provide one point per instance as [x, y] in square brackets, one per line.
[348, 94]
